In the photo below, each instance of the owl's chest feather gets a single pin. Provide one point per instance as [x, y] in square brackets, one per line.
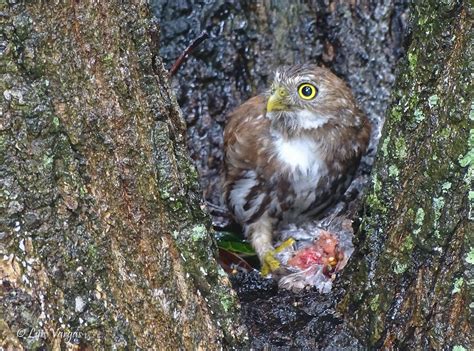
[303, 167]
[301, 158]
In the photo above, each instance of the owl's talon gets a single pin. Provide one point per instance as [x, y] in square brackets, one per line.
[270, 263]
[284, 245]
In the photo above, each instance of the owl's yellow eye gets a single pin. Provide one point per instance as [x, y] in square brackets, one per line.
[307, 91]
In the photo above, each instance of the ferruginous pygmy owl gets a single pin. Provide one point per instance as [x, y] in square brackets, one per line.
[291, 153]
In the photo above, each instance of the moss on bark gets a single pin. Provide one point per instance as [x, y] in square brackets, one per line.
[411, 278]
[102, 231]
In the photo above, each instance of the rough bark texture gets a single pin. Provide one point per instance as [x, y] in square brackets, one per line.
[103, 239]
[360, 41]
[411, 281]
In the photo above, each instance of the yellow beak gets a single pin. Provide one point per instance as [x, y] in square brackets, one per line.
[276, 100]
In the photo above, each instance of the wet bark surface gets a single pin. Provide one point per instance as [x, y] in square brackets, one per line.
[102, 231]
[411, 278]
[103, 240]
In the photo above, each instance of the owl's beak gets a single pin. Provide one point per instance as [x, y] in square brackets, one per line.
[276, 100]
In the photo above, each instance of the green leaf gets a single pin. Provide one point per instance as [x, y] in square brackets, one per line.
[235, 243]
[237, 247]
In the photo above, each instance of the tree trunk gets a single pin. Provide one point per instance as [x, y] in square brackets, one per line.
[411, 278]
[104, 243]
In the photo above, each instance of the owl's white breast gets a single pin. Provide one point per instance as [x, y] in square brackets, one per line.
[305, 167]
[302, 155]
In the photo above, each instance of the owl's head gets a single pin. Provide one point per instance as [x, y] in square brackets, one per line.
[308, 97]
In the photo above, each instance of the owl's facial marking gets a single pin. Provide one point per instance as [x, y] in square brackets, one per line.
[310, 120]
[313, 97]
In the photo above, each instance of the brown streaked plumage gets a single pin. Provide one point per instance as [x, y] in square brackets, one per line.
[291, 153]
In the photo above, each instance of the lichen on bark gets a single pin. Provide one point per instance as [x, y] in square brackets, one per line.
[414, 240]
[100, 203]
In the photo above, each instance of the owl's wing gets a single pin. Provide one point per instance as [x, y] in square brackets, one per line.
[245, 133]
[247, 162]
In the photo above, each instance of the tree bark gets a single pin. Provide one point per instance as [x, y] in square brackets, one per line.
[104, 243]
[410, 282]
